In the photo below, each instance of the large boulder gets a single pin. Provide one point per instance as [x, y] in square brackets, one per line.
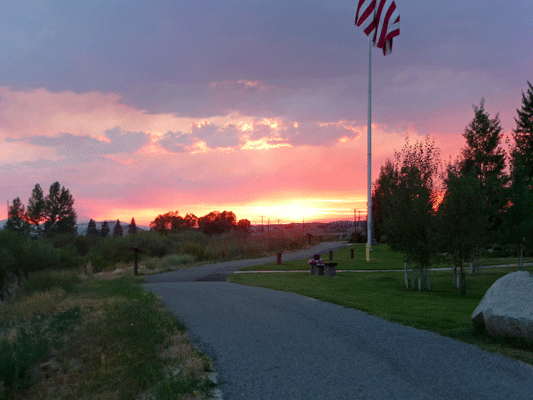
[507, 307]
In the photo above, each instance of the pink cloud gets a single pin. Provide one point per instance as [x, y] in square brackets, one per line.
[136, 169]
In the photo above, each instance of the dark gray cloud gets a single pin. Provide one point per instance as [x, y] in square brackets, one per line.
[287, 132]
[176, 142]
[314, 134]
[86, 148]
[218, 137]
[162, 56]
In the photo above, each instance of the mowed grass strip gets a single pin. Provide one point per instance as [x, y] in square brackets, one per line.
[381, 258]
[384, 295]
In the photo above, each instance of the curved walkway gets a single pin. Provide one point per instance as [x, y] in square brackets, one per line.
[268, 344]
[219, 271]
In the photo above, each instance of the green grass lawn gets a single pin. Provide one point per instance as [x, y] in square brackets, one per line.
[381, 258]
[383, 294]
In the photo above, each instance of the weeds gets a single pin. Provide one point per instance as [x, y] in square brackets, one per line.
[43, 281]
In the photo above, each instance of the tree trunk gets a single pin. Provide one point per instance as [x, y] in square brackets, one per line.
[405, 273]
[424, 281]
[462, 286]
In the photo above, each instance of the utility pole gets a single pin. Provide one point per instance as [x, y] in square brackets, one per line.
[262, 228]
[268, 226]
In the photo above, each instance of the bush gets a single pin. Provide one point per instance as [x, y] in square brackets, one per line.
[195, 250]
[175, 260]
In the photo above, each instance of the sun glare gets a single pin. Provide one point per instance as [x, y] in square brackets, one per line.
[292, 212]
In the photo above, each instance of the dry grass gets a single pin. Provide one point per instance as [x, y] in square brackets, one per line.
[99, 357]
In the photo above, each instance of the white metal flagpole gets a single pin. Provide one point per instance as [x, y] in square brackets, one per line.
[369, 147]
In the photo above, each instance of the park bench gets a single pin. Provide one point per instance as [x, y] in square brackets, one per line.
[326, 269]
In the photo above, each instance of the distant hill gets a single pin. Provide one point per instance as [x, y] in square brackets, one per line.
[82, 227]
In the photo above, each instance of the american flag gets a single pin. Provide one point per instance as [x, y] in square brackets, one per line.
[380, 21]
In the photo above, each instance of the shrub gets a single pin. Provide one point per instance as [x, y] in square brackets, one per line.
[197, 251]
[152, 263]
[175, 260]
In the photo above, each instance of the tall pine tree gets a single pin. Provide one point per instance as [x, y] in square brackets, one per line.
[104, 230]
[485, 158]
[117, 230]
[519, 221]
[59, 211]
[36, 209]
[91, 228]
[133, 227]
[522, 152]
[16, 218]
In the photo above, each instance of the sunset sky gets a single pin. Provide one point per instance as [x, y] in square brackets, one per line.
[258, 107]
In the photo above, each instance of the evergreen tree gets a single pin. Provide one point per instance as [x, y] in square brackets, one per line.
[16, 218]
[117, 230]
[91, 228]
[133, 227]
[59, 211]
[522, 152]
[519, 218]
[36, 209]
[484, 157]
[104, 230]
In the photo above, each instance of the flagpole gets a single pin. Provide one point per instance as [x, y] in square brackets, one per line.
[369, 158]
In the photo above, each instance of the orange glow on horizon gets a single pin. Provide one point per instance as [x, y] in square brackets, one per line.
[285, 210]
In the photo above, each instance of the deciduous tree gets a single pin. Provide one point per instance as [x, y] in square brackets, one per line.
[244, 226]
[217, 222]
[409, 204]
[383, 187]
[461, 222]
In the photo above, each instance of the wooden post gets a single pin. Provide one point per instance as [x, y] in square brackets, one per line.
[136, 265]
[330, 255]
[351, 254]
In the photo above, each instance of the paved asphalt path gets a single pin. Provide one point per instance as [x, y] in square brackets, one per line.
[267, 344]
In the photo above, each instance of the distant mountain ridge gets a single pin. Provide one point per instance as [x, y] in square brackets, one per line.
[82, 227]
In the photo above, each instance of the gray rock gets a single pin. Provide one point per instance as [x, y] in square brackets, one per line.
[507, 307]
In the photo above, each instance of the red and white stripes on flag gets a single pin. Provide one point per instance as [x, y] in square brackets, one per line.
[380, 21]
